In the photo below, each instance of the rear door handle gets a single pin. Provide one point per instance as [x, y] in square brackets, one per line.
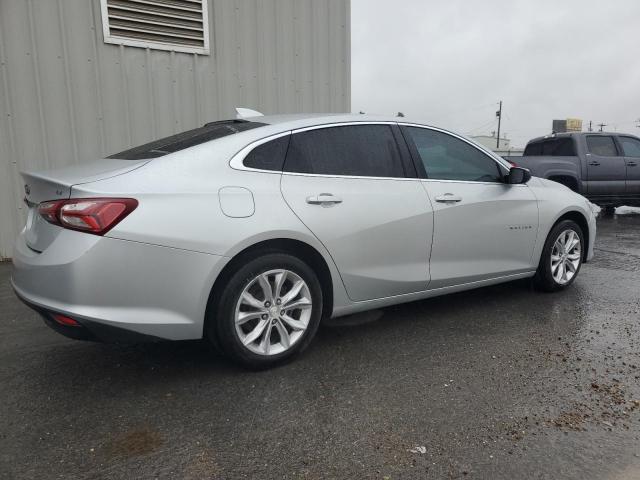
[631, 164]
[325, 199]
[594, 163]
[448, 198]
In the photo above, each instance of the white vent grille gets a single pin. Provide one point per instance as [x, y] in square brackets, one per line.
[179, 25]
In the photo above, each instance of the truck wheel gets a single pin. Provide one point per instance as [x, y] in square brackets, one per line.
[561, 257]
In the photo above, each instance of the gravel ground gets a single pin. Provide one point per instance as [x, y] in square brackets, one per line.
[501, 382]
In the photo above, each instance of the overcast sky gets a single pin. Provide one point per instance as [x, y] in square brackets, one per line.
[449, 62]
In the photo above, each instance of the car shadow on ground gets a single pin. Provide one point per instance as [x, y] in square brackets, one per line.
[411, 326]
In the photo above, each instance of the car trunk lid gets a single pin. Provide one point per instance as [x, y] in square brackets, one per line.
[56, 184]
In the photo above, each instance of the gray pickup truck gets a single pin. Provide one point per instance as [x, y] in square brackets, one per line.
[604, 167]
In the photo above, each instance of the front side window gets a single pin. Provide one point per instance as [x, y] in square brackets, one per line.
[630, 146]
[601, 145]
[354, 150]
[448, 158]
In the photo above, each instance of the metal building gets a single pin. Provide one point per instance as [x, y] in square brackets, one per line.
[84, 78]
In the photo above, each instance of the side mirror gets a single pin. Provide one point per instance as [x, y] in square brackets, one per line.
[518, 175]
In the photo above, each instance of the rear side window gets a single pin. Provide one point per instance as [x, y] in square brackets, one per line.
[355, 150]
[190, 138]
[533, 149]
[446, 157]
[556, 147]
[269, 155]
[630, 146]
[601, 145]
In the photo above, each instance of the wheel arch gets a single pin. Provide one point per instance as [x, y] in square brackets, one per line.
[582, 222]
[297, 248]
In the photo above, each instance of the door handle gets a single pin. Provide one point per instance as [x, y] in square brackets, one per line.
[631, 164]
[594, 163]
[448, 198]
[325, 199]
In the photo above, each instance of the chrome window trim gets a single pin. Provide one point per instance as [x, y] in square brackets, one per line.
[401, 179]
[487, 152]
[473, 182]
[237, 161]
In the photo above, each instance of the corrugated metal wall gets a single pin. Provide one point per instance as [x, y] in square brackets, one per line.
[66, 96]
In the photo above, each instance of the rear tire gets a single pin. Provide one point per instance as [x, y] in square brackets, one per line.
[561, 257]
[250, 321]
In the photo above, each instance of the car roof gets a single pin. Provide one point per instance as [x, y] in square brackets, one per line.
[576, 134]
[302, 120]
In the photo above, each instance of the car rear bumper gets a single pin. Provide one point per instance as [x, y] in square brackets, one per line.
[88, 329]
[117, 290]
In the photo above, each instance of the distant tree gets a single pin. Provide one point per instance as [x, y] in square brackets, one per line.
[400, 114]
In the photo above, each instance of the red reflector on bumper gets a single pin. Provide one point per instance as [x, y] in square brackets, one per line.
[64, 320]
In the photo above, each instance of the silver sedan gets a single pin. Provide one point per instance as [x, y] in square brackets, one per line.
[248, 232]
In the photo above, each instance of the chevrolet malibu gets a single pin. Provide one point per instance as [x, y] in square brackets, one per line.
[248, 232]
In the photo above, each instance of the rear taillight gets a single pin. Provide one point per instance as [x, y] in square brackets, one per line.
[91, 215]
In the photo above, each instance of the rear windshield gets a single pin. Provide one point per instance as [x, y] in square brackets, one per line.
[187, 139]
[554, 147]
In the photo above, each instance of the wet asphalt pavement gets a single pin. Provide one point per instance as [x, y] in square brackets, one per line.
[501, 382]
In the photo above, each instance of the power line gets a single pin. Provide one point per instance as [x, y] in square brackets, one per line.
[484, 125]
[499, 115]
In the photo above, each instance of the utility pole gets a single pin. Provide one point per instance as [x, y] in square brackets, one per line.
[601, 125]
[590, 128]
[499, 115]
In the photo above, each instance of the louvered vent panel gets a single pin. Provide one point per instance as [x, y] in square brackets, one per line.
[163, 23]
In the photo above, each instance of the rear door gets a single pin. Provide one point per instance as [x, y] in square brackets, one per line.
[483, 227]
[631, 150]
[349, 184]
[606, 169]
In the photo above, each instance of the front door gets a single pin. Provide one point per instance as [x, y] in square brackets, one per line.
[348, 185]
[483, 228]
[631, 150]
[606, 169]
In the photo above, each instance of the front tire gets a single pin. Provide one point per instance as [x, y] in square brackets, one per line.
[268, 312]
[561, 257]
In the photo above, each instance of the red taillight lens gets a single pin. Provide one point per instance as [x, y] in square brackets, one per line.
[91, 215]
[49, 210]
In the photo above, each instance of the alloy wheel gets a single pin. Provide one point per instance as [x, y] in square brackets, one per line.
[273, 312]
[566, 256]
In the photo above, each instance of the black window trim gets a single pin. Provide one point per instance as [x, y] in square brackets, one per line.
[237, 161]
[422, 174]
